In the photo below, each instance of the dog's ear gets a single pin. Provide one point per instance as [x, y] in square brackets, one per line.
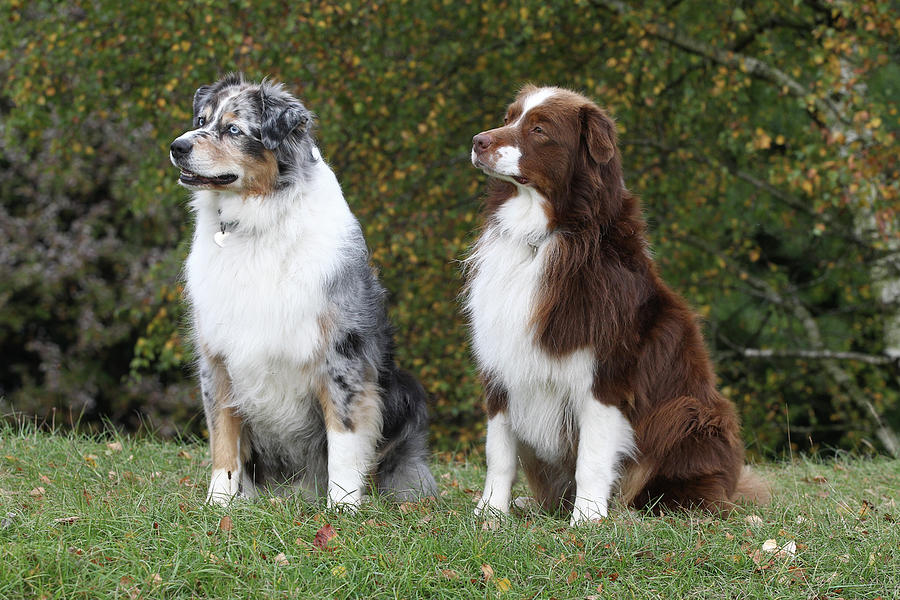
[280, 117]
[201, 96]
[598, 134]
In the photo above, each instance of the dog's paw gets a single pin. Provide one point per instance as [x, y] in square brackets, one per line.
[587, 512]
[348, 502]
[224, 485]
[486, 509]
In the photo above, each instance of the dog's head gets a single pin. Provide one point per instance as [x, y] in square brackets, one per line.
[551, 140]
[248, 138]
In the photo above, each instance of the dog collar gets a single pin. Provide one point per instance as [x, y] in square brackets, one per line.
[536, 243]
[225, 229]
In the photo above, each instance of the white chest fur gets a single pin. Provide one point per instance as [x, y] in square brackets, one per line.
[258, 300]
[545, 393]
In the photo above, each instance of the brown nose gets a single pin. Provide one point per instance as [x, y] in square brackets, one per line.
[481, 142]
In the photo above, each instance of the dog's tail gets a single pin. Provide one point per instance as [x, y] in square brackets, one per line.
[751, 488]
[403, 471]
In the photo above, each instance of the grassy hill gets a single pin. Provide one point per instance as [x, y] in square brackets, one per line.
[88, 517]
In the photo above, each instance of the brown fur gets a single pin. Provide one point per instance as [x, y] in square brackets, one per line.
[225, 430]
[602, 290]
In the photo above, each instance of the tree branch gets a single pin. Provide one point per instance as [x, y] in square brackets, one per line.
[753, 66]
[870, 359]
[790, 301]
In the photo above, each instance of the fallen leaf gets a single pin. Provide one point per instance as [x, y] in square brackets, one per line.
[487, 572]
[184, 454]
[44, 479]
[449, 574]
[503, 585]
[91, 459]
[115, 446]
[339, 571]
[281, 559]
[490, 525]
[572, 577]
[324, 535]
[226, 524]
[754, 520]
[155, 579]
[66, 520]
[37, 492]
[786, 551]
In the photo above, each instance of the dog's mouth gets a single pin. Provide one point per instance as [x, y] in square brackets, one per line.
[191, 178]
[492, 173]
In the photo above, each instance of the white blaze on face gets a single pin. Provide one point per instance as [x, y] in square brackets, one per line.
[507, 160]
[533, 100]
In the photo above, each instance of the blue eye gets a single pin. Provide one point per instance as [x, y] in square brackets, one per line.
[201, 121]
[234, 130]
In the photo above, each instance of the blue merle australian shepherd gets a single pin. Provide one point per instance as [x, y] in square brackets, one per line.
[297, 372]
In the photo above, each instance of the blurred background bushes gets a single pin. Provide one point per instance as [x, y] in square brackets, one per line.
[761, 136]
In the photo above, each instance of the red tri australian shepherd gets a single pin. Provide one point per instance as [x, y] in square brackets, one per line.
[595, 373]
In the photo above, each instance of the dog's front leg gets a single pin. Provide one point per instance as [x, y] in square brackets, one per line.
[353, 424]
[500, 451]
[224, 433]
[605, 437]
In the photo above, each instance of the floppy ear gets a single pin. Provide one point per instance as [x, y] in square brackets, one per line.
[598, 133]
[201, 96]
[281, 116]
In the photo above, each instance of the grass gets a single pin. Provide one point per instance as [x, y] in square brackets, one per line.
[124, 518]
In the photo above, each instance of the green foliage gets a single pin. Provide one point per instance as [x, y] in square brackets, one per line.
[765, 205]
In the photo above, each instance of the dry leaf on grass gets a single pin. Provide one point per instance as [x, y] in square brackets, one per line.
[754, 520]
[490, 525]
[449, 574]
[281, 560]
[184, 454]
[66, 520]
[325, 534]
[226, 524]
[37, 492]
[115, 446]
[786, 551]
[487, 572]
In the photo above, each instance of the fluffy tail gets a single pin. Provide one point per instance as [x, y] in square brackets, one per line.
[751, 488]
[403, 471]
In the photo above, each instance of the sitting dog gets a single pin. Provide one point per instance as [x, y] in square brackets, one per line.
[590, 363]
[296, 357]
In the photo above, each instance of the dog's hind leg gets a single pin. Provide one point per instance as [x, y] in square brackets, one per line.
[228, 457]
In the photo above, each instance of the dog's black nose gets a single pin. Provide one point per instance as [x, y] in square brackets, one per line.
[181, 148]
[481, 142]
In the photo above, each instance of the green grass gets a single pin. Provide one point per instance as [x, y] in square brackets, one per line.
[89, 520]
